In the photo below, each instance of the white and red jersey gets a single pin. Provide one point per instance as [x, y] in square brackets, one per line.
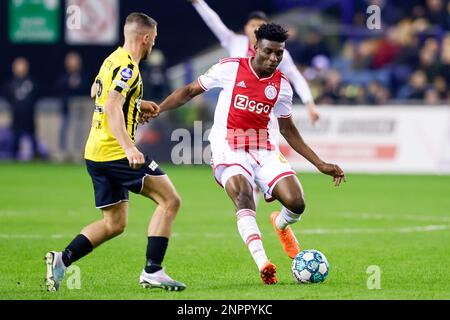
[246, 103]
[238, 45]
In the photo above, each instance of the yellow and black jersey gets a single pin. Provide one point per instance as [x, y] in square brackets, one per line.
[120, 73]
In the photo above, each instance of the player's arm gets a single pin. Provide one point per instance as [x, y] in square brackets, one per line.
[295, 140]
[300, 85]
[149, 109]
[94, 89]
[213, 21]
[181, 96]
[209, 80]
[114, 115]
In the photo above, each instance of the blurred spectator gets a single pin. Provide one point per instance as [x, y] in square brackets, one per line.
[332, 88]
[73, 83]
[437, 13]
[313, 44]
[294, 46]
[409, 53]
[153, 73]
[445, 58]
[415, 89]
[428, 59]
[385, 53]
[377, 94]
[21, 94]
[363, 54]
[441, 87]
[352, 94]
[431, 97]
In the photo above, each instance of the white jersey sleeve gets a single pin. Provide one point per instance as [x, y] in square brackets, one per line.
[213, 78]
[288, 67]
[214, 23]
[283, 106]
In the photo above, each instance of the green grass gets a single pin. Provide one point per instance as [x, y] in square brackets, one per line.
[399, 223]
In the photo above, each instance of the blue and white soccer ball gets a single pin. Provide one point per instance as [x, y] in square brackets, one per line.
[310, 266]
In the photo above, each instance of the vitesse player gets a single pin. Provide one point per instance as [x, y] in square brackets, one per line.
[116, 166]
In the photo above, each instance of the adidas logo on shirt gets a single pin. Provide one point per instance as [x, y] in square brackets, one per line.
[241, 84]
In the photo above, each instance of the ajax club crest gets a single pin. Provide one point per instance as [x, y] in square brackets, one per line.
[271, 92]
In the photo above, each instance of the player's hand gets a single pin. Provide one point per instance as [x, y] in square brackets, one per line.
[135, 157]
[313, 114]
[149, 109]
[333, 170]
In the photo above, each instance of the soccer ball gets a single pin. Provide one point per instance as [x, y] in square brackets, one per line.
[310, 266]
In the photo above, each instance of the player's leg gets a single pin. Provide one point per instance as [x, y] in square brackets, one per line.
[240, 191]
[257, 196]
[113, 223]
[161, 190]
[290, 193]
[112, 199]
[277, 180]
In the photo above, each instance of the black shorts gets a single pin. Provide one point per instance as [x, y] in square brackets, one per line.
[113, 179]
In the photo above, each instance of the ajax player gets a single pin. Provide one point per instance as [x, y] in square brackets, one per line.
[238, 45]
[244, 155]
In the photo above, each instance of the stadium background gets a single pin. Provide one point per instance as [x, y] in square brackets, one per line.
[383, 97]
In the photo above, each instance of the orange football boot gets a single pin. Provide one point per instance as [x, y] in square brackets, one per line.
[268, 273]
[287, 237]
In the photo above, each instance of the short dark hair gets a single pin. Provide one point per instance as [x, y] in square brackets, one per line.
[271, 32]
[141, 19]
[257, 15]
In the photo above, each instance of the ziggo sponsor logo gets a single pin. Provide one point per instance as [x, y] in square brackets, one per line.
[244, 103]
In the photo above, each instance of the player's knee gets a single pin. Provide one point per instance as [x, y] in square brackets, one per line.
[299, 208]
[116, 228]
[120, 228]
[244, 200]
[173, 204]
[295, 203]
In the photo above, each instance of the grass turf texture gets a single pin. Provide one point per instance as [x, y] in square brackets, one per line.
[399, 223]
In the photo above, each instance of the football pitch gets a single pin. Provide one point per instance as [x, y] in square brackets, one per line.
[385, 237]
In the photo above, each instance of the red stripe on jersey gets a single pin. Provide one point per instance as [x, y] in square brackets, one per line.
[256, 160]
[201, 84]
[282, 175]
[252, 101]
[284, 77]
[225, 60]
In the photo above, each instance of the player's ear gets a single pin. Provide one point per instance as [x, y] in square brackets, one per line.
[146, 38]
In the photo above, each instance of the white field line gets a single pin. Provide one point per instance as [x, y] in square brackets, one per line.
[428, 228]
[385, 216]
[350, 215]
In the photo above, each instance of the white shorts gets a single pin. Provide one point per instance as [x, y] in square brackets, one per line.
[262, 168]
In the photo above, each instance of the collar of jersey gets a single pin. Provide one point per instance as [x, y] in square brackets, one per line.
[125, 52]
[256, 75]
